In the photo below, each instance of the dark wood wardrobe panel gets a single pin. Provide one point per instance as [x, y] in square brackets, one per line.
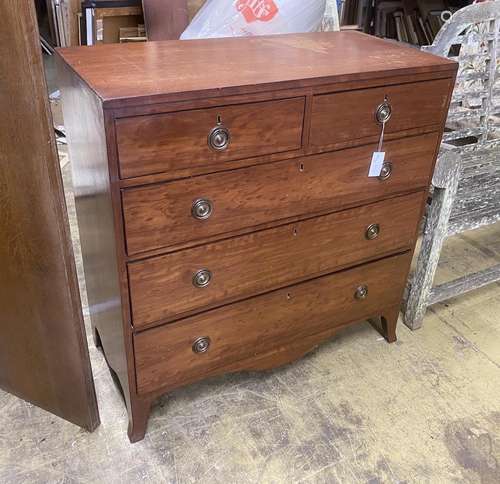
[43, 348]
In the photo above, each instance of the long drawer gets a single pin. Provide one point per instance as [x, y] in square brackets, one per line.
[164, 287]
[172, 213]
[413, 105]
[209, 343]
[204, 137]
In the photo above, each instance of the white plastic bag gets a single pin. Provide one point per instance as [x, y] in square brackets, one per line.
[237, 18]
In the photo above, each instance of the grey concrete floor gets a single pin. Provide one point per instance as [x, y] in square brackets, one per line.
[425, 409]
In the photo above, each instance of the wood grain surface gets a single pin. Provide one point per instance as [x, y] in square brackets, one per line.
[88, 135]
[149, 72]
[413, 105]
[164, 355]
[43, 348]
[160, 215]
[165, 20]
[174, 141]
[161, 288]
[300, 151]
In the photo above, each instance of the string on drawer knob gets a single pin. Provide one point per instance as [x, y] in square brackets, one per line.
[219, 138]
[201, 345]
[202, 278]
[386, 171]
[201, 209]
[361, 292]
[372, 231]
[383, 112]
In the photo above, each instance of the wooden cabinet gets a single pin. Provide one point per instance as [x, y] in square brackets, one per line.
[228, 221]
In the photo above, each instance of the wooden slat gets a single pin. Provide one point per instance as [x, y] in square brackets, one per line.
[477, 201]
[464, 284]
[458, 115]
[463, 133]
[475, 149]
[471, 94]
[458, 225]
[466, 76]
[464, 58]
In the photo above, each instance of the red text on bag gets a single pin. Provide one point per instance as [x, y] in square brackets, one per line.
[252, 10]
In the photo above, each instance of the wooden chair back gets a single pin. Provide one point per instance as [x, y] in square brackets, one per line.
[471, 37]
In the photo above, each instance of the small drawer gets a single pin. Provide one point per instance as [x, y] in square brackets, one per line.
[204, 137]
[162, 288]
[213, 342]
[194, 209]
[346, 116]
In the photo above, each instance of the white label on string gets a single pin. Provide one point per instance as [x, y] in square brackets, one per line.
[378, 156]
[377, 163]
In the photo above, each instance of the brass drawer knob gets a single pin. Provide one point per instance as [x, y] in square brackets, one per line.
[201, 345]
[373, 231]
[202, 278]
[202, 209]
[219, 138]
[361, 293]
[386, 171]
[384, 112]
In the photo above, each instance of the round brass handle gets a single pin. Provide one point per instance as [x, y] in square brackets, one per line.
[361, 292]
[384, 112]
[386, 171]
[202, 278]
[201, 345]
[201, 209]
[219, 138]
[372, 231]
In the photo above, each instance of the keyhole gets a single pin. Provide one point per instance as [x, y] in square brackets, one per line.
[301, 167]
[295, 232]
[219, 119]
[288, 296]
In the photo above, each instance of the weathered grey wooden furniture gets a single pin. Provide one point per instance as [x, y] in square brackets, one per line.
[466, 182]
[331, 21]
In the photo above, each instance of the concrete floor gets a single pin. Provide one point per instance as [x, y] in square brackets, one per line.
[425, 409]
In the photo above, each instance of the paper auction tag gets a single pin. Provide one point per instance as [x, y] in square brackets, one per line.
[377, 163]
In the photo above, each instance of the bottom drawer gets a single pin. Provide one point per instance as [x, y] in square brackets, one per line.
[166, 356]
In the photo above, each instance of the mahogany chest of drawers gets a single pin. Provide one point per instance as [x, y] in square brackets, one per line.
[226, 215]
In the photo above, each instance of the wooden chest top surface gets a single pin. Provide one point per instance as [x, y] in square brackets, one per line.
[149, 72]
